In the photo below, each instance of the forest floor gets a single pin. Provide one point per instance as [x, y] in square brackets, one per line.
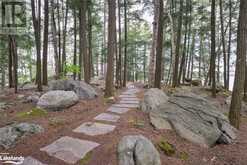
[134, 122]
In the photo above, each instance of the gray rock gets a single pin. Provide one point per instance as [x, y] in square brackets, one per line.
[206, 125]
[32, 161]
[137, 150]
[4, 106]
[82, 89]
[34, 98]
[21, 97]
[57, 100]
[28, 86]
[10, 134]
[193, 118]
[152, 99]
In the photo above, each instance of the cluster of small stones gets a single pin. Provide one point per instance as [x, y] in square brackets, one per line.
[71, 150]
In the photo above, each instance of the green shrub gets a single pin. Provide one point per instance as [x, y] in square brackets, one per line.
[35, 112]
[167, 148]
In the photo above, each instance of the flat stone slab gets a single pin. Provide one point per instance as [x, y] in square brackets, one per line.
[130, 99]
[107, 117]
[129, 102]
[131, 91]
[31, 161]
[127, 96]
[118, 110]
[126, 105]
[93, 128]
[70, 149]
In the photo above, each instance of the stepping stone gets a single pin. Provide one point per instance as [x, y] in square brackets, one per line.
[128, 92]
[126, 105]
[92, 128]
[70, 150]
[107, 117]
[118, 110]
[127, 96]
[31, 161]
[129, 99]
[129, 102]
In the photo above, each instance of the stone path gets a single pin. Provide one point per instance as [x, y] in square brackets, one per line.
[71, 150]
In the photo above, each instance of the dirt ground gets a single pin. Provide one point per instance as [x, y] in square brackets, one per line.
[132, 123]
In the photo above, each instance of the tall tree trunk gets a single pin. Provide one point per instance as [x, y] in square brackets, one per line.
[178, 42]
[151, 72]
[84, 43]
[54, 40]
[45, 41]
[104, 52]
[109, 91]
[192, 55]
[223, 44]
[229, 43]
[14, 73]
[237, 95]
[159, 45]
[36, 24]
[183, 60]
[59, 38]
[201, 54]
[119, 62]
[144, 62]
[64, 39]
[125, 43]
[173, 45]
[75, 43]
[90, 25]
[213, 53]
[10, 67]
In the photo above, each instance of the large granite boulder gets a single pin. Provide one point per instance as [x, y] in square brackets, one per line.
[82, 89]
[137, 150]
[10, 134]
[193, 118]
[57, 100]
[152, 99]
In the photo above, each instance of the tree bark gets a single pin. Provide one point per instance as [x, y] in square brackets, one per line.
[75, 43]
[109, 91]
[213, 53]
[64, 39]
[223, 44]
[152, 62]
[36, 24]
[84, 43]
[54, 40]
[229, 43]
[90, 25]
[237, 95]
[159, 45]
[45, 41]
[178, 42]
[125, 43]
[10, 67]
[119, 62]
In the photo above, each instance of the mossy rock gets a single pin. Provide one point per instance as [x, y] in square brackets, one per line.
[183, 155]
[86, 159]
[167, 148]
[35, 112]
